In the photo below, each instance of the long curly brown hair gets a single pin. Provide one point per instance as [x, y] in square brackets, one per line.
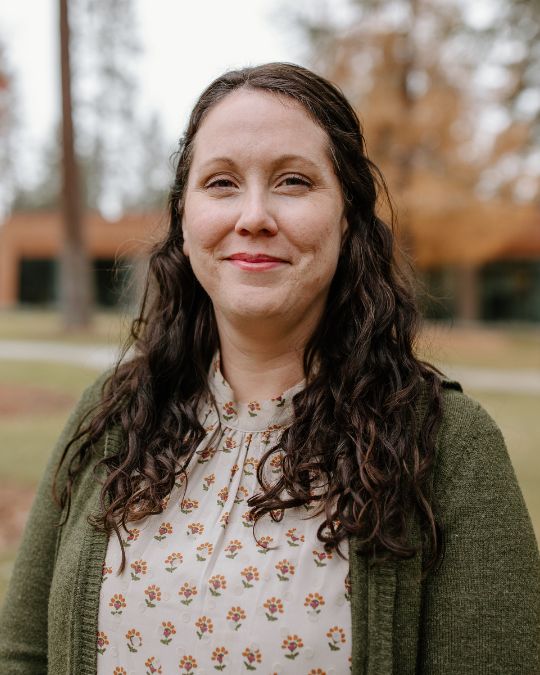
[355, 425]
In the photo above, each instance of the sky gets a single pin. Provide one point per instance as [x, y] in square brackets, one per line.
[186, 44]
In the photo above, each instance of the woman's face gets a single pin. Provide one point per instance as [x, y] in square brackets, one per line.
[263, 216]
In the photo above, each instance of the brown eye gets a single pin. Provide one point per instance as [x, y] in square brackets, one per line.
[296, 180]
[220, 183]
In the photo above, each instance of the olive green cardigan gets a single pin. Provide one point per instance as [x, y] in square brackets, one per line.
[477, 614]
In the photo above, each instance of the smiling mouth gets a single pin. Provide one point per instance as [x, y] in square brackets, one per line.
[258, 262]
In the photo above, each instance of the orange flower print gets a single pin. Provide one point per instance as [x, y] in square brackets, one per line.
[154, 595]
[293, 539]
[241, 494]
[233, 547]
[247, 519]
[168, 629]
[180, 480]
[223, 495]
[337, 637]
[348, 587]
[188, 505]
[253, 408]
[164, 530]
[252, 656]
[118, 603]
[218, 655]
[250, 574]
[173, 560]
[250, 466]
[273, 606]
[206, 454]
[317, 671]
[276, 462]
[102, 642]
[139, 567]
[165, 502]
[105, 572]
[284, 570]
[187, 592]
[205, 626]
[153, 665]
[235, 616]
[119, 671]
[229, 411]
[279, 401]
[195, 529]
[217, 583]
[133, 640]
[291, 644]
[208, 481]
[132, 535]
[234, 470]
[314, 602]
[263, 545]
[224, 520]
[187, 664]
[204, 550]
[319, 558]
[230, 444]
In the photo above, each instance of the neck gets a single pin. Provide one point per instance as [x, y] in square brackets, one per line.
[261, 363]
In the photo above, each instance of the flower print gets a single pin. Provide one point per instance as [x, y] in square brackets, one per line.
[173, 560]
[273, 607]
[224, 520]
[187, 592]
[250, 466]
[319, 557]
[233, 547]
[218, 655]
[234, 470]
[217, 583]
[168, 630]
[208, 481]
[105, 572]
[348, 587]
[247, 518]
[102, 642]
[119, 671]
[187, 664]
[263, 544]
[276, 462]
[253, 408]
[279, 401]
[153, 665]
[292, 643]
[229, 444]
[314, 602]
[223, 495]
[250, 574]
[337, 636]
[188, 505]
[206, 454]
[154, 595]
[133, 640]
[205, 626]
[181, 479]
[164, 530]
[317, 671]
[204, 550]
[252, 656]
[293, 539]
[229, 411]
[132, 535]
[139, 567]
[118, 603]
[241, 494]
[165, 502]
[284, 570]
[235, 616]
[195, 529]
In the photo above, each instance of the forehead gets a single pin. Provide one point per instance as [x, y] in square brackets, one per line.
[260, 124]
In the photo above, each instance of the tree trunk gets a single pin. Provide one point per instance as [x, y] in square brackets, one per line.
[76, 292]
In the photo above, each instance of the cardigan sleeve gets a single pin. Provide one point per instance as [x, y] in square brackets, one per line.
[23, 619]
[481, 608]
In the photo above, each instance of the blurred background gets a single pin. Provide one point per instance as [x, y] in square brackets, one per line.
[94, 96]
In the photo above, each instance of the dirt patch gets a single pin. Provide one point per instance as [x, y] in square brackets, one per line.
[21, 399]
[15, 503]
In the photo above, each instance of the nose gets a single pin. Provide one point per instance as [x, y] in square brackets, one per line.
[255, 217]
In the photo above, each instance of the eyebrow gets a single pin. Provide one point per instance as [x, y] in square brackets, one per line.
[278, 161]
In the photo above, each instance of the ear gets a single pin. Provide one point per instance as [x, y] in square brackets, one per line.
[185, 245]
[344, 227]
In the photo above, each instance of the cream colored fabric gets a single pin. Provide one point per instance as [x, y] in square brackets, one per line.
[200, 594]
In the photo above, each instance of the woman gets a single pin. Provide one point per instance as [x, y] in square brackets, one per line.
[274, 481]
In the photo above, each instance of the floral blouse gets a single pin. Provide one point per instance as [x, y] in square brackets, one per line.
[200, 593]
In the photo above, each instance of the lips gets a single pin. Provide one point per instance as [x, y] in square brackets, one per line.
[255, 258]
